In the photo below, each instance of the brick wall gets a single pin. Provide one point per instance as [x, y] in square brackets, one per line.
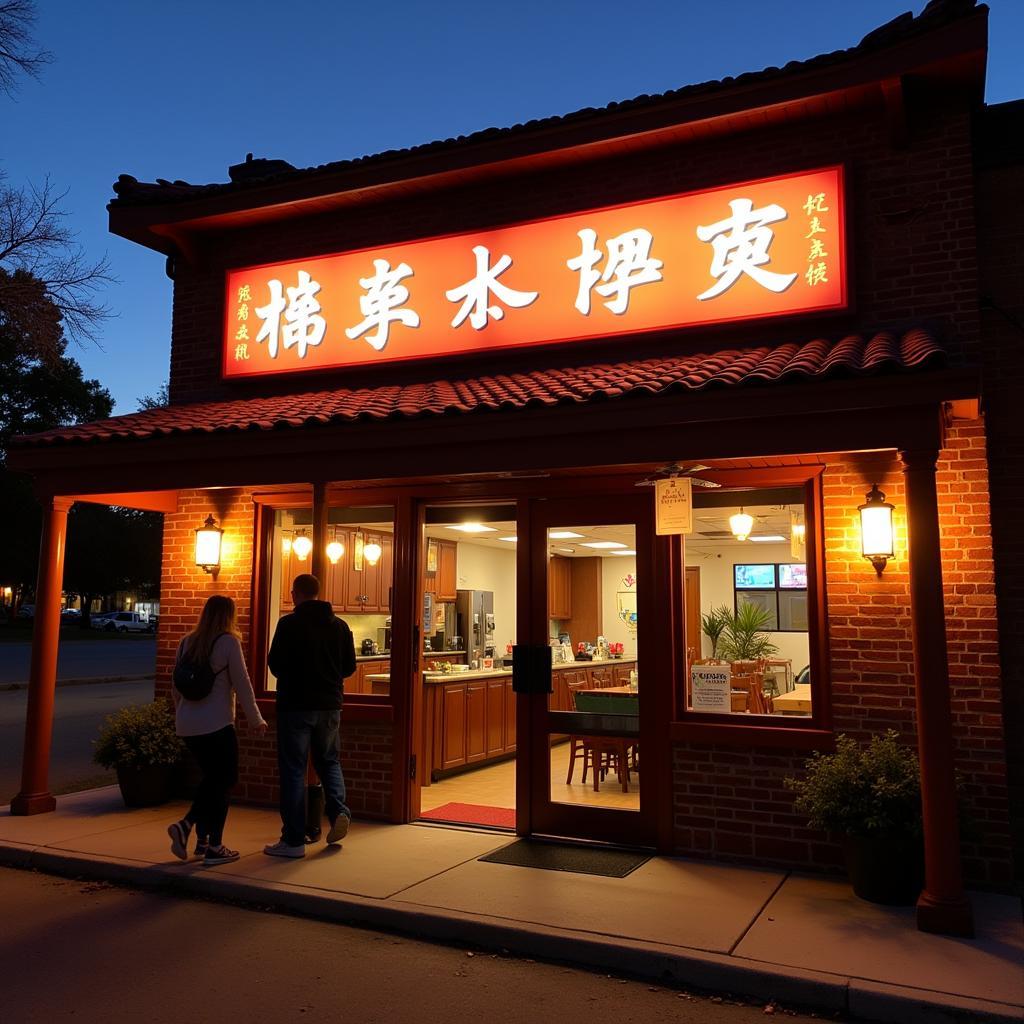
[731, 804]
[911, 232]
[366, 754]
[1000, 185]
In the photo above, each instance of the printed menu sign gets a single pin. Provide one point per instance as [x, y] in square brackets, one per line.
[710, 686]
[673, 506]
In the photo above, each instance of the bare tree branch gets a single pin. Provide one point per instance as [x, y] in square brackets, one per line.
[34, 237]
[18, 53]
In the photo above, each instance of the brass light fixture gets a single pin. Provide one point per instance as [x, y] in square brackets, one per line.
[741, 523]
[208, 545]
[301, 547]
[372, 552]
[334, 551]
[876, 529]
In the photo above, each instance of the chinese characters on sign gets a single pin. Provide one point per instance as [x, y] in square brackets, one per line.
[763, 248]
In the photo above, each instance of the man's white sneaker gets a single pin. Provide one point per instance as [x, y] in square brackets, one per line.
[282, 849]
[339, 829]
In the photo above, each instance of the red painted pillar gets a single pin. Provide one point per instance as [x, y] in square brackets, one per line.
[942, 907]
[35, 797]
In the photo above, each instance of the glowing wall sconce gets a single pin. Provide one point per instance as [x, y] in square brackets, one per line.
[741, 524]
[876, 529]
[372, 552]
[286, 546]
[301, 547]
[334, 551]
[208, 543]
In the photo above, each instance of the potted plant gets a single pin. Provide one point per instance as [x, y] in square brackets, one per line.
[871, 797]
[712, 623]
[139, 742]
[743, 636]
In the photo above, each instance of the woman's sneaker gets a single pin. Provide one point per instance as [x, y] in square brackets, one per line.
[339, 829]
[219, 855]
[179, 838]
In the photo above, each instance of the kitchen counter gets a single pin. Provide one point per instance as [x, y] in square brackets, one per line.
[492, 673]
[386, 655]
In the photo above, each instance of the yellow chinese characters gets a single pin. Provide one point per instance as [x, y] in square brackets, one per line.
[242, 316]
[817, 268]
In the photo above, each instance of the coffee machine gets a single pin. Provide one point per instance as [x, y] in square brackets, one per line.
[474, 617]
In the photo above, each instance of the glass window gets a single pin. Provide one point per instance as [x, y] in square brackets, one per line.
[357, 581]
[752, 631]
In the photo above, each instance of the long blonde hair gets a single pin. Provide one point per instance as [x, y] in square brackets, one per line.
[217, 617]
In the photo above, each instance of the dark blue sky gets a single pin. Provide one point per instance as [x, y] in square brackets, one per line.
[182, 90]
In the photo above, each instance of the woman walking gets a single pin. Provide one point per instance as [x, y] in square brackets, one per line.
[205, 721]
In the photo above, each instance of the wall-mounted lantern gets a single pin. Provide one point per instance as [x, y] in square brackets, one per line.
[876, 529]
[372, 552]
[208, 543]
[334, 551]
[741, 524]
[301, 547]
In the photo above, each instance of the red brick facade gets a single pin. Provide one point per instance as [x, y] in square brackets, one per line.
[731, 803]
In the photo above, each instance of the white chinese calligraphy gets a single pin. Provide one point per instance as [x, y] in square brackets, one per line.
[303, 325]
[741, 244]
[474, 293]
[629, 264]
[380, 305]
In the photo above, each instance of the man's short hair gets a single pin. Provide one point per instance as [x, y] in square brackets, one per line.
[306, 585]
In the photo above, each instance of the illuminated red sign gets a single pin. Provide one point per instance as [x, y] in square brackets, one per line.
[757, 249]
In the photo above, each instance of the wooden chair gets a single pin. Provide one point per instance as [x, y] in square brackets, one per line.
[601, 753]
[749, 676]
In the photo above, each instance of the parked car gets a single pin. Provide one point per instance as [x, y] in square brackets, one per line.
[101, 620]
[69, 614]
[131, 622]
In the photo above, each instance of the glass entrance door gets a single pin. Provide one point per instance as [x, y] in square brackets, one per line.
[585, 667]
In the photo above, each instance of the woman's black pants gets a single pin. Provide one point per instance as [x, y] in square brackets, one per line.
[217, 754]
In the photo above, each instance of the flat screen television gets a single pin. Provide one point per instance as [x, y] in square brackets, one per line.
[754, 577]
[793, 576]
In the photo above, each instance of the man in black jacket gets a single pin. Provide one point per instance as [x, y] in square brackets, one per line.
[311, 653]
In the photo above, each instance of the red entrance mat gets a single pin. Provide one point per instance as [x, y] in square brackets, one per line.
[473, 814]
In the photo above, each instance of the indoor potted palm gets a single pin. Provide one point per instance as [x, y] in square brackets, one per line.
[140, 744]
[743, 636]
[712, 624]
[871, 798]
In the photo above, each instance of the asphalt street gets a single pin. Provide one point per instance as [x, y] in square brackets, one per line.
[78, 713]
[77, 659]
[85, 951]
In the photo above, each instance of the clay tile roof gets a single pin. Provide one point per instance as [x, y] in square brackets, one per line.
[854, 355]
[129, 191]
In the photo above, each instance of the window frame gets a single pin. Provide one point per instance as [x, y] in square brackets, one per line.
[815, 731]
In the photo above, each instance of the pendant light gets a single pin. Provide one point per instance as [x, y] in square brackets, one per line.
[334, 551]
[372, 552]
[741, 523]
[301, 547]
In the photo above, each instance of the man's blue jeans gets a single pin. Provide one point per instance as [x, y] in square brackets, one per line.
[301, 735]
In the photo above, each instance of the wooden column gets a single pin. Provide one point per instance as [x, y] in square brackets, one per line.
[35, 797]
[943, 906]
[318, 559]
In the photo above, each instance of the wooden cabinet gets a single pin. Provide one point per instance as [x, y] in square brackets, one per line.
[469, 723]
[453, 725]
[559, 588]
[446, 581]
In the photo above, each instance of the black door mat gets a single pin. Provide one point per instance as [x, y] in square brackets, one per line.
[584, 860]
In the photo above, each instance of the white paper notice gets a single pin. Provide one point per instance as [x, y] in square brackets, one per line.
[710, 686]
[673, 506]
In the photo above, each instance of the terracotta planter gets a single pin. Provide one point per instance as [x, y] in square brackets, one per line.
[889, 871]
[145, 786]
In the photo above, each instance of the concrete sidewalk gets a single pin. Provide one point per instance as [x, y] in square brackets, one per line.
[767, 934]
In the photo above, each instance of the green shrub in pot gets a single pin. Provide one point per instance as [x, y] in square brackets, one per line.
[743, 635]
[140, 744]
[871, 797]
[712, 624]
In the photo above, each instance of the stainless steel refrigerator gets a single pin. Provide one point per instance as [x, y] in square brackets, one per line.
[474, 616]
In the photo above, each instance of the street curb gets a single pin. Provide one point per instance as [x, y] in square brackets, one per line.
[82, 681]
[657, 963]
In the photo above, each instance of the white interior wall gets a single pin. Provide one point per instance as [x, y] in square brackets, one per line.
[486, 568]
[613, 570]
[716, 588]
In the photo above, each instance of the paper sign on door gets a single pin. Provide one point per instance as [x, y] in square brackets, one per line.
[673, 506]
[710, 686]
